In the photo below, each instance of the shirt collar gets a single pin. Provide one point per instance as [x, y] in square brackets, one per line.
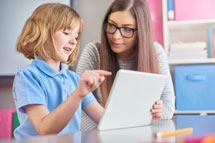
[47, 69]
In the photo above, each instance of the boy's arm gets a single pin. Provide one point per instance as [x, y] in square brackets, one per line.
[94, 110]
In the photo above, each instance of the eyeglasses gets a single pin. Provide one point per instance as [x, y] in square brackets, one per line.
[126, 32]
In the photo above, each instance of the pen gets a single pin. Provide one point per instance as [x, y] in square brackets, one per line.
[174, 133]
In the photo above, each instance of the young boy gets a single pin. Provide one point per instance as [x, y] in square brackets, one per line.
[49, 97]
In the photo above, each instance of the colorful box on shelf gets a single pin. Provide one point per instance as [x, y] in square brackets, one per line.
[194, 87]
[157, 23]
[158, 31]
[194, 9]
[6, 123]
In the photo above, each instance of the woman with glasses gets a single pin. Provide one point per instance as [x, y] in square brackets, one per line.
[127, 43]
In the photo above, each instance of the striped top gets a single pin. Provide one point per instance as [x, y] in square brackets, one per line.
[89, 60]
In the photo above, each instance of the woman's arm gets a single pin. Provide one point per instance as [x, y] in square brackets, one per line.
[168, 95]
[89, 59]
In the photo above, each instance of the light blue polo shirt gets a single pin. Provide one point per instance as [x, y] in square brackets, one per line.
[39, 83]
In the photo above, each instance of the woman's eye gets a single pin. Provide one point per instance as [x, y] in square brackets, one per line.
[112, 26]
[126, 29]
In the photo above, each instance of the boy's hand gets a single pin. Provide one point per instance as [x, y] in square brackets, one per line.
[90, 80]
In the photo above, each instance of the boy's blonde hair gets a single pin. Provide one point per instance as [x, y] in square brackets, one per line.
[44, 22]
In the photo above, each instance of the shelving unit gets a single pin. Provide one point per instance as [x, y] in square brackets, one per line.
[184, 31]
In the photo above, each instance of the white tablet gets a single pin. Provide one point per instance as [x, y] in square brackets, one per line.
[131, 97]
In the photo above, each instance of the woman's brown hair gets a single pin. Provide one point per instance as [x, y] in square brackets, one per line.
[146, 57]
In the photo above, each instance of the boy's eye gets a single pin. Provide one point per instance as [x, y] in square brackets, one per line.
[66, 33]
[71, 33]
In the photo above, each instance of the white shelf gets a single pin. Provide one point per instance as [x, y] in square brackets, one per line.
[191, 61]
[191, 22]
[203, 112]
[184, 31]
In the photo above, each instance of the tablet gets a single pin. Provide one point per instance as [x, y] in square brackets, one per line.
[131, 97]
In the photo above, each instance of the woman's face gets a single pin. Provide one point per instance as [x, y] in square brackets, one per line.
[122, 41]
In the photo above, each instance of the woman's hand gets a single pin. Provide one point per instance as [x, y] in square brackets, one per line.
[157, 110]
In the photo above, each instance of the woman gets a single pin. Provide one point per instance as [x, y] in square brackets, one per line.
[127, 43]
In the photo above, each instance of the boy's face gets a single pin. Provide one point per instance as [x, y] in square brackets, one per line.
[65, 42]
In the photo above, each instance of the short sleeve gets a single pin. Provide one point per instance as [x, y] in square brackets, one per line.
[26, 90]
[88, 99]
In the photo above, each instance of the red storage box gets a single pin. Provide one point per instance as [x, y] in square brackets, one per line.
[194, 9]
[6, 123]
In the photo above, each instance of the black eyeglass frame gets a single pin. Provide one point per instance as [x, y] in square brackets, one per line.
[119, 28]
